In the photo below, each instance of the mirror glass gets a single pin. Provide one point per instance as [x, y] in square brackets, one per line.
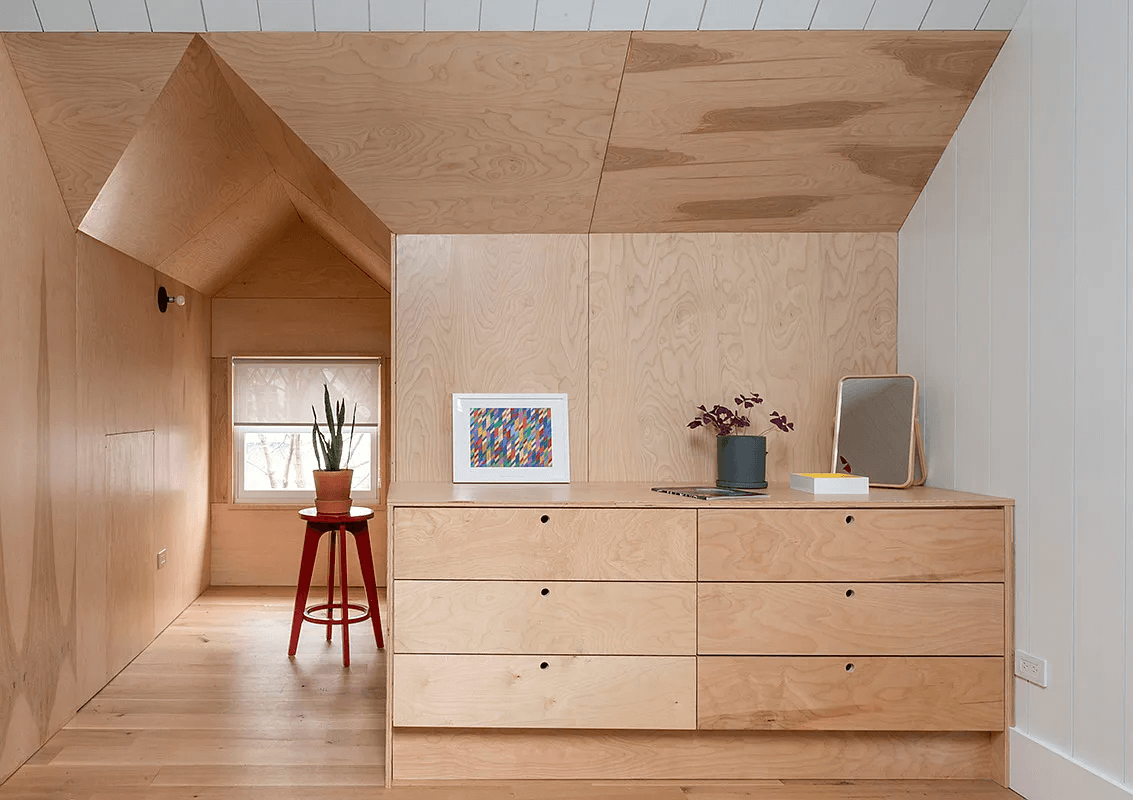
[874, 428]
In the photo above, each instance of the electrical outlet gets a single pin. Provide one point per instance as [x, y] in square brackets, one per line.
[161, 559]
[1030, 668]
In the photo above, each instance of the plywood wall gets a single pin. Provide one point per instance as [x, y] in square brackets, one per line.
[638, 330]
[298, 296]
[684, 319]
[39, 658]
[98, 395]
[1016, 315]
[487, 313]
[144, 373]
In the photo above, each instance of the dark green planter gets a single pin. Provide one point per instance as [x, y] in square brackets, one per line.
[741, 462]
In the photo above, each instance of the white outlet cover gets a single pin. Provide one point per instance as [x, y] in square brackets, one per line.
[1030, 668]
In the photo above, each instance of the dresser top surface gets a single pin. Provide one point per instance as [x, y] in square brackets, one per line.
[640, 495]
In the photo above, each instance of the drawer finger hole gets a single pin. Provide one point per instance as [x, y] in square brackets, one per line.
[545, 591]
[849, 593]
[545, 519]
[544, 665]
[850, 667]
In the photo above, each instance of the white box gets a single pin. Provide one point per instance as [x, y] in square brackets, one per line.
[829, 483]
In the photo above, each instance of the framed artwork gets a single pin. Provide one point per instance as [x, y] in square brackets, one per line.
[510, 438]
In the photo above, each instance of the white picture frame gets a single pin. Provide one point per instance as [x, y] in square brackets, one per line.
[492, 458]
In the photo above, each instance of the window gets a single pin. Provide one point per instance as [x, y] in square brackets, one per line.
[271, 418]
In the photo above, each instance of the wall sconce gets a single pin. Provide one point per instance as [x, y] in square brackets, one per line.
[165, 299]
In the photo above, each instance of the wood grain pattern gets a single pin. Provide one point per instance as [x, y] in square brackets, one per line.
[215, 254]
[288, 327]
[220, 431]
[333, 207]
[854, 693]
[850, 619]
[437, 755]
[417, 146]
[181, 454]
[139, 370]
[130, 566]
[957, 545]
[544, 691]
[89, 95]
[301, 264]
[537, 544]
[375, 261]
[783, 130]
[677, 320]
[262, 546]
[193, 157]
[204, 711]
[553, 617]
[641, 495]
[486, 314]
[39, 601]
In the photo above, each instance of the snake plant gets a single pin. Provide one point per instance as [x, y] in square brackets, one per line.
[328, 451]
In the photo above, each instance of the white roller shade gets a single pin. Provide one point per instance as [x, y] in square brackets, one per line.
[275, 391]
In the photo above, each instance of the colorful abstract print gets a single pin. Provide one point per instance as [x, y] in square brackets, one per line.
[510, 437]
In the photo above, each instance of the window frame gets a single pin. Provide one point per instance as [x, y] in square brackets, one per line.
[296, 497]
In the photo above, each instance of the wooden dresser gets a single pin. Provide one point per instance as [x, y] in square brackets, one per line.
[605, 631]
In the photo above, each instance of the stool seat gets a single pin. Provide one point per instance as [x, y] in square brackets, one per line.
[337, 525]
[357, 514]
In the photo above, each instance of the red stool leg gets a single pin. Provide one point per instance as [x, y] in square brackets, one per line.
[330, 583]
[306, 569]
[345, 607]
[366, 561]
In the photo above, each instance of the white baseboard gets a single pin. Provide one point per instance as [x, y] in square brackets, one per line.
[1039, 773]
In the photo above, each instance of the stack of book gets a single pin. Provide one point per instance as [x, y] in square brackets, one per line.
[829, 483]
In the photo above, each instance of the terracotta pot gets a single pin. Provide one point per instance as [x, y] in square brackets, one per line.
[332, 490]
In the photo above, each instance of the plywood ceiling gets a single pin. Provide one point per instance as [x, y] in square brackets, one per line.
[535, 132]
[89, 95]
[440, 133]
[784, 131]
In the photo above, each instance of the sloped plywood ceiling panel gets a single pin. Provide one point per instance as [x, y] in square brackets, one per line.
[89, 95]
[193, 157]
[782, 130]
[446, 133]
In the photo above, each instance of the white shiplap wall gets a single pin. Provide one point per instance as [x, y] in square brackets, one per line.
[1016, 314]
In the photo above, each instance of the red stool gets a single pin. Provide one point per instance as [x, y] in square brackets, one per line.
[337, 525]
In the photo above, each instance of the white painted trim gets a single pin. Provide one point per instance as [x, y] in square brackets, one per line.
[1039, 773]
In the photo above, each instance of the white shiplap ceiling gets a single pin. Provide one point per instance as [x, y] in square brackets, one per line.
[506, 15]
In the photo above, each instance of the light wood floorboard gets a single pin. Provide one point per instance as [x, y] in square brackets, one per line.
[214, 710]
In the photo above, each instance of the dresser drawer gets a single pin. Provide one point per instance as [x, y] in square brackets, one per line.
[850, 694]
[545, 544]
[851, 619]
[653, 693]
[546, 617]
[851, 544]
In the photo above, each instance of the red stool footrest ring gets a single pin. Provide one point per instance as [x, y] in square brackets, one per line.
[329, 620]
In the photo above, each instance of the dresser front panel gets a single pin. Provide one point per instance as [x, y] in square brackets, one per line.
[545, 544]
[557, 618]
[850, 694]
[489, 691]
[957, 619]
[852, 544]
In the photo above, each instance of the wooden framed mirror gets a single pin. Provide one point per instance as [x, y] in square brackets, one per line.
[875, 430]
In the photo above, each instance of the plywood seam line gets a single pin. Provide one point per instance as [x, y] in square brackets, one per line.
[606, 150]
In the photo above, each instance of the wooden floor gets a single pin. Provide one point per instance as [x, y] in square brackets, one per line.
[215, 710]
